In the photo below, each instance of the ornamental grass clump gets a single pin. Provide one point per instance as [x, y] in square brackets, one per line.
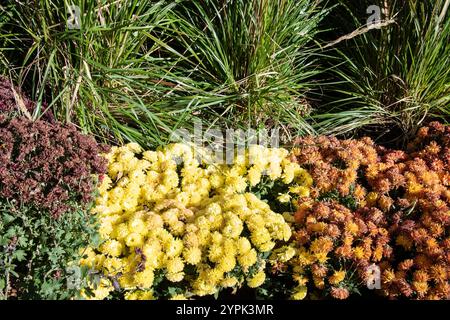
[176, 226]
[389, 73]
[48, 175]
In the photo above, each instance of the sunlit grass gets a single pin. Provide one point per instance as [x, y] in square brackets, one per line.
[392, 79]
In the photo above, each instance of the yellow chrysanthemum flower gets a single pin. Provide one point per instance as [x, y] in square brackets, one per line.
[337, 277]
[299, 293]
[257, 280]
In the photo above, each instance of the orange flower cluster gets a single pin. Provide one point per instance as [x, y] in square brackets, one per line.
[336, 246]
[420, 218]
[371, 205]
[334, 164]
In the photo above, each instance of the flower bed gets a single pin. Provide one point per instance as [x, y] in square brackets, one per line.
[312, 223]
[319, 221]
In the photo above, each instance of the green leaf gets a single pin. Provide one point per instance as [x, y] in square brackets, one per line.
[2, 284]
[8, 218]
[19, 255]
[15, 274]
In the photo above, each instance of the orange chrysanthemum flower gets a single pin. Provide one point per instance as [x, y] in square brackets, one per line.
[388, 276]
[339, 293]
[421, 288]
[322, 245]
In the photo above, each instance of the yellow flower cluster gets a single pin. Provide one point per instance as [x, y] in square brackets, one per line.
[170, 212]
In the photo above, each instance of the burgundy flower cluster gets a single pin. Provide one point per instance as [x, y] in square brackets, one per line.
[47, 164]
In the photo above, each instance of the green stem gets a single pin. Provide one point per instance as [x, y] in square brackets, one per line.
[442, 15]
